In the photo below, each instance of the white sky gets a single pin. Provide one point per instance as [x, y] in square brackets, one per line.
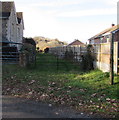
[66, 19]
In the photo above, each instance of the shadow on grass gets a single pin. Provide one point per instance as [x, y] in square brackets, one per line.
[49, 63]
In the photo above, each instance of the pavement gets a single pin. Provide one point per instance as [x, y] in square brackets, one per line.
[14, 107]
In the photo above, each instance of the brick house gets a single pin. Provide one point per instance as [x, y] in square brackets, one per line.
[101, 45]
[104, 36]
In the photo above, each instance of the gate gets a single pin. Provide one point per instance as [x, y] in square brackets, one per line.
[9, 52]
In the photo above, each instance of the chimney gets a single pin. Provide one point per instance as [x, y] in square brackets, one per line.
[113, 25]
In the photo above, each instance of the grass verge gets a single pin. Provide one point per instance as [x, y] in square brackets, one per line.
[60, 82]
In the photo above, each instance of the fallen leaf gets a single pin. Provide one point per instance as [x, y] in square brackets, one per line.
[33, 81]
[50, 105]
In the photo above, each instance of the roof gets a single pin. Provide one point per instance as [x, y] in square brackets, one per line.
[108, 30]
[19, 16]
[6, 8]
[115, 28]
[76, 42]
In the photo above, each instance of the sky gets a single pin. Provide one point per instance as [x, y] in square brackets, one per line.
[66, 20]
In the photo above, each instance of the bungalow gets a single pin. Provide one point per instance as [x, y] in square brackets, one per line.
[12, 24]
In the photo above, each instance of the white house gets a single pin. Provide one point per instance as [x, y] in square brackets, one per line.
[20, 26]
[12, 24]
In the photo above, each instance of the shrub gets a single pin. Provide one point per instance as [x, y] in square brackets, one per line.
[87, 60]
[28, 55]
[69, 55]
[46, 50]
[29, 41]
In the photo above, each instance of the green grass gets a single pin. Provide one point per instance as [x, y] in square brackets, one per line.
[64, 83]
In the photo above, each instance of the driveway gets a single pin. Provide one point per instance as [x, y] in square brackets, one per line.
[14, 107]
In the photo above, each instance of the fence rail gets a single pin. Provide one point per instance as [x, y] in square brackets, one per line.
[61, 51]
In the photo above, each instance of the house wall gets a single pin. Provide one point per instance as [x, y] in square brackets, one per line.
[91, 41]
[12, 26]
[4, 29]
[12, 31]
[97, 41]
[116, 38]
[20, 31]
[19, 34]
[102, 56]
[104, 39]
[0, 29]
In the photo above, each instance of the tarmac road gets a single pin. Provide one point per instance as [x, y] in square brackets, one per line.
[13, 107]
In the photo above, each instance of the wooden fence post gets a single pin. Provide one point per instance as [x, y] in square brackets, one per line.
[112, 59]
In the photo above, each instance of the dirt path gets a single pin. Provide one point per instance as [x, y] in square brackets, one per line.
[14, 107]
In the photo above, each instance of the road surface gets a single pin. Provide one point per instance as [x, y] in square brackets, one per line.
[14, 107]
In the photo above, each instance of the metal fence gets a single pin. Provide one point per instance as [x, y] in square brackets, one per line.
[101, 53]
[9, 52]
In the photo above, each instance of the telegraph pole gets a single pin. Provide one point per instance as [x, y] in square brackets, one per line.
[112, 59]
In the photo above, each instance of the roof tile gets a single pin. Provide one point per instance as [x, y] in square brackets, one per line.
[76, 42]
[6, 8]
